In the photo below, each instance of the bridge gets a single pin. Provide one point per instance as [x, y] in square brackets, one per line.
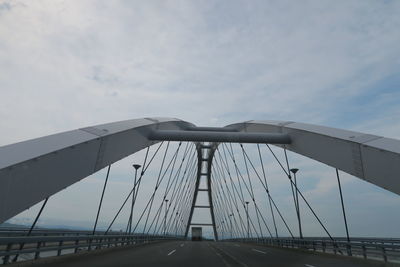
[220, 173]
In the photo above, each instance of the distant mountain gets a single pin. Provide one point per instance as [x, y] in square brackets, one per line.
[11, 225]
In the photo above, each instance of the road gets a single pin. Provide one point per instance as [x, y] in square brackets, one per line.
[209, 254]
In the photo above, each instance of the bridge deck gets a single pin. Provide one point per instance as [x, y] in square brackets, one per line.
[210, 254]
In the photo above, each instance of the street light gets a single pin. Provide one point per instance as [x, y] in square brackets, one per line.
[248, 222]
[223, 222]
[230, 220]
[165, 217]
[176, 223]
[136, 166]
[294, 171]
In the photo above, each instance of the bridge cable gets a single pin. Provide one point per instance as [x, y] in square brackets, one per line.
[101, 199]
[156, 216]
[178, 194]
[252, 191]
[157, 181]
[267, 190]
[176, 188]
[162, 202]
[280, 214]
[295, 195]
[302, 196]
[343, 209]
[134, 187]
[187, 204]
[224, 160]
[249, 190]
[258, 212]
[21, 246]
[264, 185]
[152, 196]
[231, 198]
[234, 188]
[250, 220]
[171, 184]
[219, 172]
[175, 192]
[136, 190]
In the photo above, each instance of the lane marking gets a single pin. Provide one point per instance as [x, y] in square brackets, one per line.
[263, 252]
[309, 265]
[232, 257]
[172, 252]
[182, 245]
[236, 245]
[222, 258]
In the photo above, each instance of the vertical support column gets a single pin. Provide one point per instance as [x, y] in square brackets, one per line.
[202, 158]
[198, 176]
[209, 164]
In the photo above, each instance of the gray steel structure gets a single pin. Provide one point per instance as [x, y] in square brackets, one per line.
[33, 170]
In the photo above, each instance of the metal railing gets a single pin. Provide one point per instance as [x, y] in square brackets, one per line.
[35, 247]
[387, 249]
[13, 232]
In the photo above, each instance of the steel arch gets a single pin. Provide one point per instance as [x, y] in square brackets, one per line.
[32, 170]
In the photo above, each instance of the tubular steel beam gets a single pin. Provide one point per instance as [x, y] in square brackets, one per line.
[212, 136]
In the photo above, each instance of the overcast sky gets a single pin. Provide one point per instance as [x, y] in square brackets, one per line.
[70, 64]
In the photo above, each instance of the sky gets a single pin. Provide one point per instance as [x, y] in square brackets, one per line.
[71, 64]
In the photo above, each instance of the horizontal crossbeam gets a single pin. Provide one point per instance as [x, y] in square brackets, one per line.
[221, 136]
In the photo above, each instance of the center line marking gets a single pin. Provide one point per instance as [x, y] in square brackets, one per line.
[263, 252]
[309, 265]
[172, 252]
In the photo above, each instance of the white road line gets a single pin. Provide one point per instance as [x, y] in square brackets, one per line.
[232, 257]
[237, 245]
[182, 245]
[309, 265]
[172, 252]
[222, 258]
[263, 252]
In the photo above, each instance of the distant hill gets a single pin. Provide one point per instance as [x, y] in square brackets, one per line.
[11, 225]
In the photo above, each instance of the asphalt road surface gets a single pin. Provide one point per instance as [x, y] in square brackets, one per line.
[209, 254]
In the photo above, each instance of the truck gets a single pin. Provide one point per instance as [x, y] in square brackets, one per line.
[196, 234]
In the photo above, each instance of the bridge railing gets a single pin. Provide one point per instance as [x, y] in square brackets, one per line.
[387, 250]
[35, 247]
[14, 232]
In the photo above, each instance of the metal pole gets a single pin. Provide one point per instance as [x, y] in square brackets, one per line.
[176, 224]
[165, 217]
[101, 200]
[341, 199]
[136, 166]
[230, 220]
[223, 222]
[248, 222]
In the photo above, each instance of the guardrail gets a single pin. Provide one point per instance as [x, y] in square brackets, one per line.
[34, 247]
[13, 232]
[387, 250]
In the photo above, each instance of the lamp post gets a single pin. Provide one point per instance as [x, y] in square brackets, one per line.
[136, 166]
[165, 216]
[230, 220]
[176, 223]
[294, 171]
[248, 222]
